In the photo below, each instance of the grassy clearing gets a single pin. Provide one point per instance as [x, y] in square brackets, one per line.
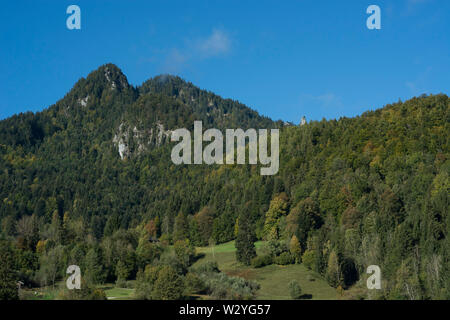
[44, 293]
[274, 279]
[52, 293]
[113, 293]
[224, 247]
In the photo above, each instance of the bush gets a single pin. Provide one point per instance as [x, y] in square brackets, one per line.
[168, 286]
[309, 259]
[150, 274]
[294, 289]
[159, 283]
[143, 290]
[222, 287]
[121, 283]
[98, 294]
[261, 261]
[86, 292]
[274, 247]
[145, 281]
[207, 267]
[284, 259]
[169, 258]
[194, 284]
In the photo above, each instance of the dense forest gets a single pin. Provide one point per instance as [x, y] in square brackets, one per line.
[89, 182]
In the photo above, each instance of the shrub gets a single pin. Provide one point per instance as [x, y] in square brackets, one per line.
[207, 267]
[150, 273]
[294, 289]
[121, 283]
[143, 290]
[87, 292]
[284, 259]
[309, 259]
[261, 261]
[98, 294]
[160, 283]
[169, 285]
[194, 284]
[144, 283]
[274, 247]
[222, 287]
[169, 258]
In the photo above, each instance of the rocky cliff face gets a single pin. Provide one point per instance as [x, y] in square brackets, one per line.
[131, 141]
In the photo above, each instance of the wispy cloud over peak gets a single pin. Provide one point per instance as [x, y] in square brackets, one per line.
[216, 44]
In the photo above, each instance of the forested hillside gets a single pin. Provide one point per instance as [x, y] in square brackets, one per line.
[89, 181]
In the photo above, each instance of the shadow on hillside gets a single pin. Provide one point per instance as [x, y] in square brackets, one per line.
[306, 297]
[198, 256]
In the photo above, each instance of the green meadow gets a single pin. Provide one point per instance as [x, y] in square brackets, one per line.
[274, 279]
[113, 293]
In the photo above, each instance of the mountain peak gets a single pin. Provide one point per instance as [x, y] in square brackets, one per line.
[107, 79]
[109, 74]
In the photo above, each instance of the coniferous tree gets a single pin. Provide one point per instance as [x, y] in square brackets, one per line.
[95, 272]
[181, 227]
[245, 241]
[8, 275]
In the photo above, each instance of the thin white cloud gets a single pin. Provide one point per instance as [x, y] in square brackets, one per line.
[218, 43]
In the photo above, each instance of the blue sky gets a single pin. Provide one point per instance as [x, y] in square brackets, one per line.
[285, 59]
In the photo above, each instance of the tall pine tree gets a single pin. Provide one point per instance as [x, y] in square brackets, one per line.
[245, 241]
[8, 285]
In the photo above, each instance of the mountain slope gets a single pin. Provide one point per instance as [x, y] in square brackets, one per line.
[366, 190]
